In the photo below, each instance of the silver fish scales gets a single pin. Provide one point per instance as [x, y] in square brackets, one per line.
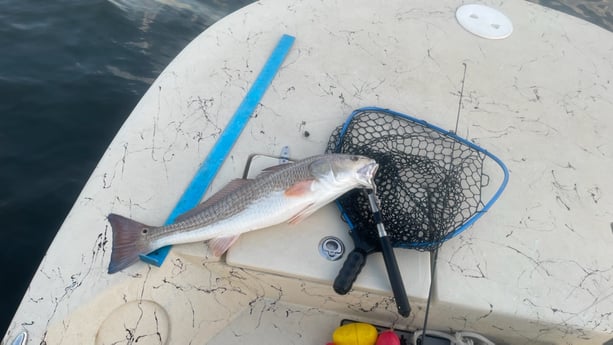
[285, 193]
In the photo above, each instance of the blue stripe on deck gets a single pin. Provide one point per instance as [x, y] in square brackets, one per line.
[220, 150]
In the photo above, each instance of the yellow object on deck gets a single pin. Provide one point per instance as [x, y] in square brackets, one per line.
[355, 334]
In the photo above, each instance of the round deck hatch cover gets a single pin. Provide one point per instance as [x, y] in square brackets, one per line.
[484, 21]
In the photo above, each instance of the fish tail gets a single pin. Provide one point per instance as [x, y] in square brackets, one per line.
[128, 242]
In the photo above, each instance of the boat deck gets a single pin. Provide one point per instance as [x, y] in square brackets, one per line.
[536, 269]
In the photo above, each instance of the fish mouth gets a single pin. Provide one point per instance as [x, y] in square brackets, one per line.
[367, 174]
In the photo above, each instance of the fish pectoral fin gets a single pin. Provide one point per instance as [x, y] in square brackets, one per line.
[299, 188]
[304, 213]
[220, 245]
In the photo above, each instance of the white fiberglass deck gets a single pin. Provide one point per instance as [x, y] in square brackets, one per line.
[536, 269]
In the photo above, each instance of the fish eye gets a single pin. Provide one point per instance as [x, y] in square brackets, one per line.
[354, 158]
[145, 231]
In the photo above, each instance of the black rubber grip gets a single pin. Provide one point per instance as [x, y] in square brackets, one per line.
[349, 272]
[400, 295]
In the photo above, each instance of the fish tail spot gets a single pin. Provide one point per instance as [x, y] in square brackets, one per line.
[128, 242]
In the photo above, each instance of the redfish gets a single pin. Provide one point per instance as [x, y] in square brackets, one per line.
[284, 193]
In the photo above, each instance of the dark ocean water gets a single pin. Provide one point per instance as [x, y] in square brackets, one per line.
[70, 74]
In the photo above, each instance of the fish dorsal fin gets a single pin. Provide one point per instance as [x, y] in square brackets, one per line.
[273, 169]
[220, 245]
[231, 187]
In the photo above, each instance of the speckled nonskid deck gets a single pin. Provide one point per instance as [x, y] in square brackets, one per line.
[536, 269]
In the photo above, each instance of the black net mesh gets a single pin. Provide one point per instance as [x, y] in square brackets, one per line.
[428, 183]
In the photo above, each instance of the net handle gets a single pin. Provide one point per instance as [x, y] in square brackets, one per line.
[391, 264]
[349, 272]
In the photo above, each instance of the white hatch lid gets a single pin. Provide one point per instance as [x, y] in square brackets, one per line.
[484, 21]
